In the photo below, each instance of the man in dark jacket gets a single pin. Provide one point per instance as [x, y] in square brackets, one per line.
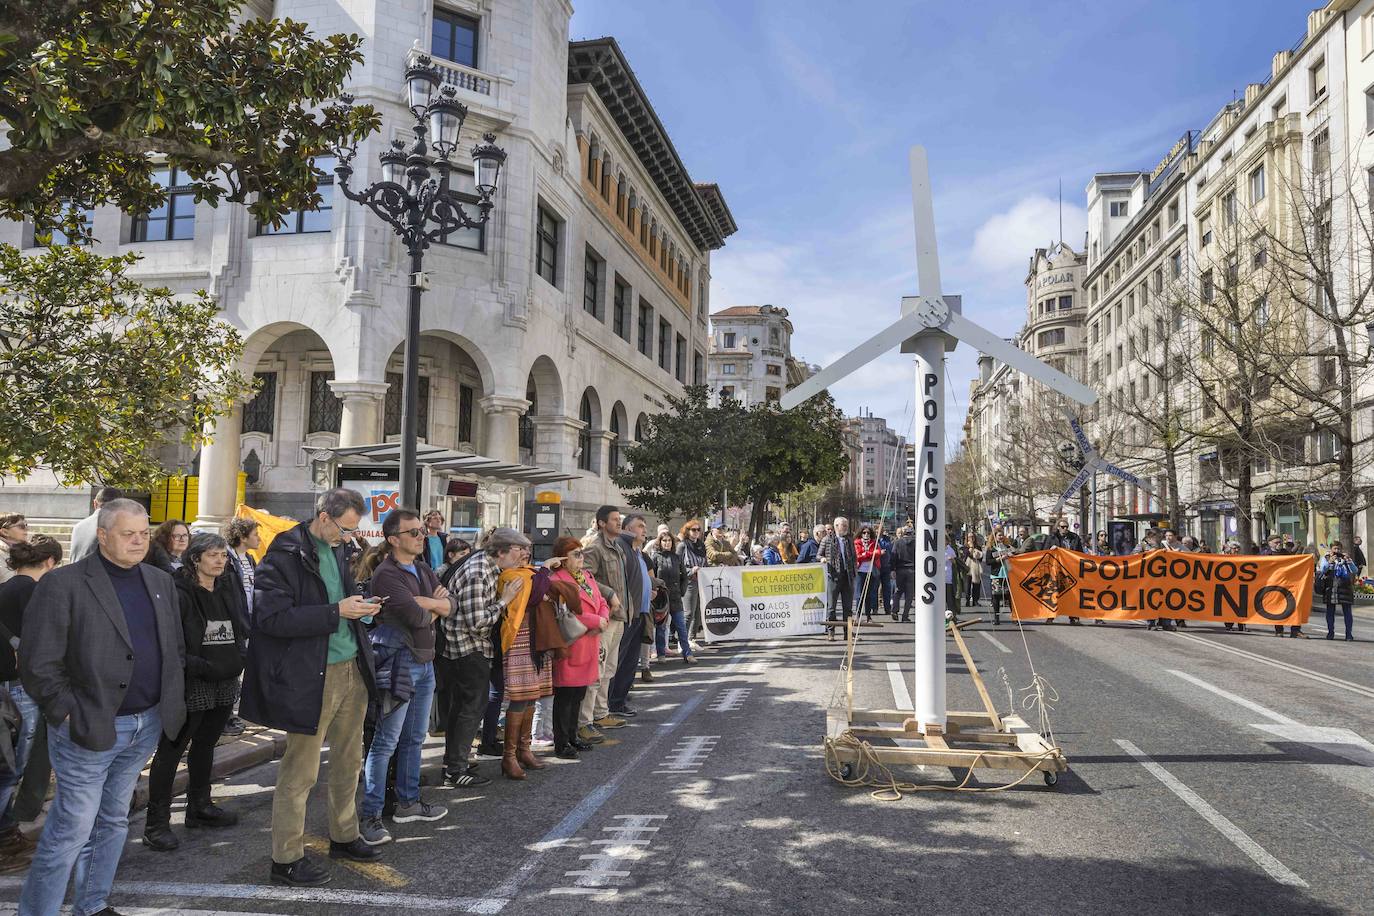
[1063, 536]
[841, 563]
[904, 572]
[102, 659]
[637, 591]
[310, 673]
[811, 546]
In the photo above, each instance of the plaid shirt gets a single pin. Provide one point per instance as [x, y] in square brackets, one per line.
[476, 608]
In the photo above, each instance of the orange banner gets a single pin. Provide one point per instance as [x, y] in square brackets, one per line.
[1162, 583]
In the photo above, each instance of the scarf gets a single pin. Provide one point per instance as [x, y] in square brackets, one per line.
[536, 586]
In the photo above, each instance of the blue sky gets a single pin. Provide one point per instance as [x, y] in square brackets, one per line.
[804, 112]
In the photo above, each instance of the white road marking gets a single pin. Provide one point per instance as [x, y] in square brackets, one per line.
[590, 804]
[1326, 679]
[1340, 741]
[365, 900]
[607, 866]
[1242, 841]
[1238, 700]
[689, 754]
[730, 700]
[994, 640]
[901, 695]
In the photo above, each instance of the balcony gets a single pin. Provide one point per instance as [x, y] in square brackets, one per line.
[488, 96]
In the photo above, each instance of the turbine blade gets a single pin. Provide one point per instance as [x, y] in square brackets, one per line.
[923, 208]
[984, 341]
[888, 338]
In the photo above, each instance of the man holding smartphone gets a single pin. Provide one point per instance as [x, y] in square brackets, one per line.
[310, 672]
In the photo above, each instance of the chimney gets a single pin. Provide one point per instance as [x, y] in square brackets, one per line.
[1252, 92]
[1316, 19]
[1281, 60]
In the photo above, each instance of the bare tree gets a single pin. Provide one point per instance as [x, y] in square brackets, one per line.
[1314, 227]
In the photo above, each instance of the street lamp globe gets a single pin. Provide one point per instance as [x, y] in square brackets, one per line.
[394, 163]
[488, 158]
[446, 116]
[422, 78]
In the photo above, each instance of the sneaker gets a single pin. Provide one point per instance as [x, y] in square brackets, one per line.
[689, 659]
[234, 727]
[373, 831]
[590, 735]
[646, 676]
[610, 722]
[629, 712]
[490, 750]
[467, 780]
[418, 811]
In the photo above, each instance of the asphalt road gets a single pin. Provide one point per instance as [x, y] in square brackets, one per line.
[1211, 772]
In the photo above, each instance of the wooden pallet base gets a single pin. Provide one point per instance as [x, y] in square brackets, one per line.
[969, 740]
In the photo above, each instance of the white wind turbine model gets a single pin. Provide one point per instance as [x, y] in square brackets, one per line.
[927, 329]
[1092, 462]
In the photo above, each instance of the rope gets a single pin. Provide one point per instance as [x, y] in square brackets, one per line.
[870, 772]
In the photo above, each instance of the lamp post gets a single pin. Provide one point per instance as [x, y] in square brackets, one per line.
[414, 197]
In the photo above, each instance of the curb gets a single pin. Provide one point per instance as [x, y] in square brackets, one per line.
[235, 756]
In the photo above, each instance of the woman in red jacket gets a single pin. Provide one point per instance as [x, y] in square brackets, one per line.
[573, 674]
[868, 554]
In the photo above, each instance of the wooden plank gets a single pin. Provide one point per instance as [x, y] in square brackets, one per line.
[956, 757]
[977, 679]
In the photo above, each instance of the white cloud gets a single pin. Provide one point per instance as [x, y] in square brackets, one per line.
[1006, 240]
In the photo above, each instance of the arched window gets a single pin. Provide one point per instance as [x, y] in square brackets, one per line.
[584, 436]
[614, 461]
[639, 428]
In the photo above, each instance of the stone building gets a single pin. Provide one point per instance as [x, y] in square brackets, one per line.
[750, 354]
[1198, 220]
[546, 336]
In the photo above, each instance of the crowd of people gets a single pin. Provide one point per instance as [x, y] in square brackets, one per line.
[150, 643]
[138, 652]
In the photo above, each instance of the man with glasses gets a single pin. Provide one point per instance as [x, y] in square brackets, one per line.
[310, 673]
[402, 642]
[1062, 536]
[467, 653]
[435, 539]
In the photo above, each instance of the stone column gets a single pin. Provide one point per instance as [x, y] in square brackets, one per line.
[502, 415]
[361, 423]
[601, 444]
[220, 462]
[555, 440]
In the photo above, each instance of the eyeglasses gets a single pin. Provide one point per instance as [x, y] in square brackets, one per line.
[346, 532]
[24, 525]
[694, 531]
[412, 532]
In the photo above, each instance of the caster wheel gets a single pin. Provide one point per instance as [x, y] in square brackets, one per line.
[847, 771]
[1050, 777]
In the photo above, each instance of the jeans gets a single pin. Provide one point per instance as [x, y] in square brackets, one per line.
[89, 817]
[468, 676]
[1331, 620]
[402, 732]
[624, 678]
[866, 590]
[496, 692]
[9, 779]
[677, 622]
[888, 606]
[201, 732]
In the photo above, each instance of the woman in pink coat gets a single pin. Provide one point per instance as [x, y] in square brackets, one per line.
[580, 669]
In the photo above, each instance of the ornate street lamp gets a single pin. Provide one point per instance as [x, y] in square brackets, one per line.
[415, 199]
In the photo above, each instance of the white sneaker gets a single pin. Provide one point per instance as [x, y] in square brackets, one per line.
[418, 811]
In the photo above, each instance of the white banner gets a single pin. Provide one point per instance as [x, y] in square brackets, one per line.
[762, 602]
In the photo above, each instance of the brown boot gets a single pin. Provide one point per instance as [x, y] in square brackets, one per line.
[526, 755]
[510, 764]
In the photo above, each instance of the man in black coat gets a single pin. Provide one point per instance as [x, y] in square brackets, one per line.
[310, 673]
[904, 572]
[841, 563]
[102, 659]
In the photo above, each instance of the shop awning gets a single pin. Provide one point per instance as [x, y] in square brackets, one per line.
[450, 461]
